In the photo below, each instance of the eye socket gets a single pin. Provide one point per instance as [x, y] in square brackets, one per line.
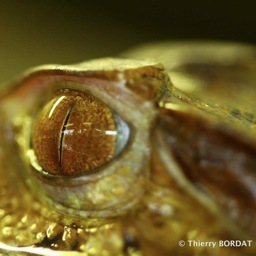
[76, 133]
[100, 168]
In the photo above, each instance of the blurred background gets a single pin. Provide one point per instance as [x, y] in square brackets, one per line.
[34, 32]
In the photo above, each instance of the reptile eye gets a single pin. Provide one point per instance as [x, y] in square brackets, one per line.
[76, 133]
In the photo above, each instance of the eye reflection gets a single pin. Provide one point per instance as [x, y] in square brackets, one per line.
[74, 133]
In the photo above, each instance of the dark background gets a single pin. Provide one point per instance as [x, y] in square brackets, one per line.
[34, 32]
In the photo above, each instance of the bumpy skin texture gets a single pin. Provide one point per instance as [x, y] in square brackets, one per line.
[186, 172]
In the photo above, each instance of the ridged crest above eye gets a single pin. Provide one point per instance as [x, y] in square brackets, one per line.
[75, 133]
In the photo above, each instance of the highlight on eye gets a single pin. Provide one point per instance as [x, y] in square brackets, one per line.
[75, 133]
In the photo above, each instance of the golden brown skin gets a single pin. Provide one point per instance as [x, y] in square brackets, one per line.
[160, 154]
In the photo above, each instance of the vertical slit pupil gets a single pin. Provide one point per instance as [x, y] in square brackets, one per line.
[74, 133]
[63, 134]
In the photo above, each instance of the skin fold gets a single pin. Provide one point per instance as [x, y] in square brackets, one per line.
[151, 153]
